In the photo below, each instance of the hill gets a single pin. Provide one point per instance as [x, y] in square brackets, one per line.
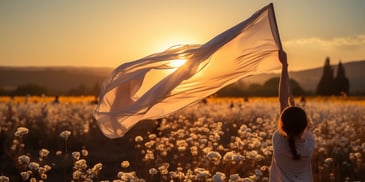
[62, 79]
[308, 79]
[56, 79]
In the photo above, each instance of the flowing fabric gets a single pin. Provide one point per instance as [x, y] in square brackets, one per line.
[152, 87]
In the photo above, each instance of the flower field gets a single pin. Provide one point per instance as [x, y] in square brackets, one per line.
[221, 140]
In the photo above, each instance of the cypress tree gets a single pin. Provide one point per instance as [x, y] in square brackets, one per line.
[325, 86]
[342, 85]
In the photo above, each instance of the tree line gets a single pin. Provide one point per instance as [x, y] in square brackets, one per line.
[328, 84]
[39, 90]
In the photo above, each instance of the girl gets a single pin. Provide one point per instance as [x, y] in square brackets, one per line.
[293, 144]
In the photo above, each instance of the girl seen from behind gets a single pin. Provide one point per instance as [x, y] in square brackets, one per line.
[293, 143]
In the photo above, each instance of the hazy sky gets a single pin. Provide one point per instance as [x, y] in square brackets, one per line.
[109, 32]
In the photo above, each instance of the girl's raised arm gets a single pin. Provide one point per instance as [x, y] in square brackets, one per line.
[284, 81]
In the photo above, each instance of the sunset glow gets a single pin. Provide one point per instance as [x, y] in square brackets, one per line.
[107, 34]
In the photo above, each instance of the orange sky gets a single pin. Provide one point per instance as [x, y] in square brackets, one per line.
[108, 33]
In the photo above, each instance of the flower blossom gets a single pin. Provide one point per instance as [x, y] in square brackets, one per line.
[214, 156]
[43, 153]
[76, 155]
[23, 159]
[33, 166]
[21, 131]
[65, 134]
[124, 164]
[219, 177]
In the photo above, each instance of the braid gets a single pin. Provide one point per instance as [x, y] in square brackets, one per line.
[293, 149]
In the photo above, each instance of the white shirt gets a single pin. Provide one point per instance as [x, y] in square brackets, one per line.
[283, 167]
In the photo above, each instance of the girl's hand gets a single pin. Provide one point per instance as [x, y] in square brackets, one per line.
[283, 58]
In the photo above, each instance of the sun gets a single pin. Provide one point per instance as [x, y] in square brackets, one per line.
[177, 63]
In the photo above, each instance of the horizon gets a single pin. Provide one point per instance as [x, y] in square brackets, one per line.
[107, 34]
[106, 67]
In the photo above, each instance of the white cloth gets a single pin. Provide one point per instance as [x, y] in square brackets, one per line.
[149, 88]
[283, 167]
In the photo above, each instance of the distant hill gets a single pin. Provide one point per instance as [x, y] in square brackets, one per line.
[55, 79]
[308, 79]
[62, 79]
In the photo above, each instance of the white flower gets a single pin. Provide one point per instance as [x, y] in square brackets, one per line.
[202, 173]
[328, 162]
[76, 155]
[97, 167]
[149, 156]
[358, 155]
[58, 153]
[152, 136]
[228, 157]
[23, 159]
[149, 144]
[33, 166]
[124, 164]
[21, 131]
[25, 175]
[194, 150]
[214, 156]
[65, 134]
[47, 167]
[76, 175]
[163, 168]
[181, 145]
[138, 139]
[80, 164]
[219, 177]
[42, 170]
[44, 176]
[152, 171]
[234, 177]
[127, 176]
[84, 152]
[4, 179]
[43, 153]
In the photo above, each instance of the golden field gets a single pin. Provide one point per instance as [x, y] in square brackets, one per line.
[226, 139]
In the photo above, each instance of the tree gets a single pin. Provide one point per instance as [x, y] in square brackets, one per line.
[329, 85]
[270, 87]
[30, 89]
[325, 86]
[232, 90]
[342, 85]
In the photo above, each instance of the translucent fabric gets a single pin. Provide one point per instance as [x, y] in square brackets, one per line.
[152, 87]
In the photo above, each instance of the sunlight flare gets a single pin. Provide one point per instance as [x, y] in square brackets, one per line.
[177, 63]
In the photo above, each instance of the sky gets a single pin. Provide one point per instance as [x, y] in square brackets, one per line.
[107, 33]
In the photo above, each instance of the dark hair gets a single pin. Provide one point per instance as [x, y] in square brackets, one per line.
[293, 121]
